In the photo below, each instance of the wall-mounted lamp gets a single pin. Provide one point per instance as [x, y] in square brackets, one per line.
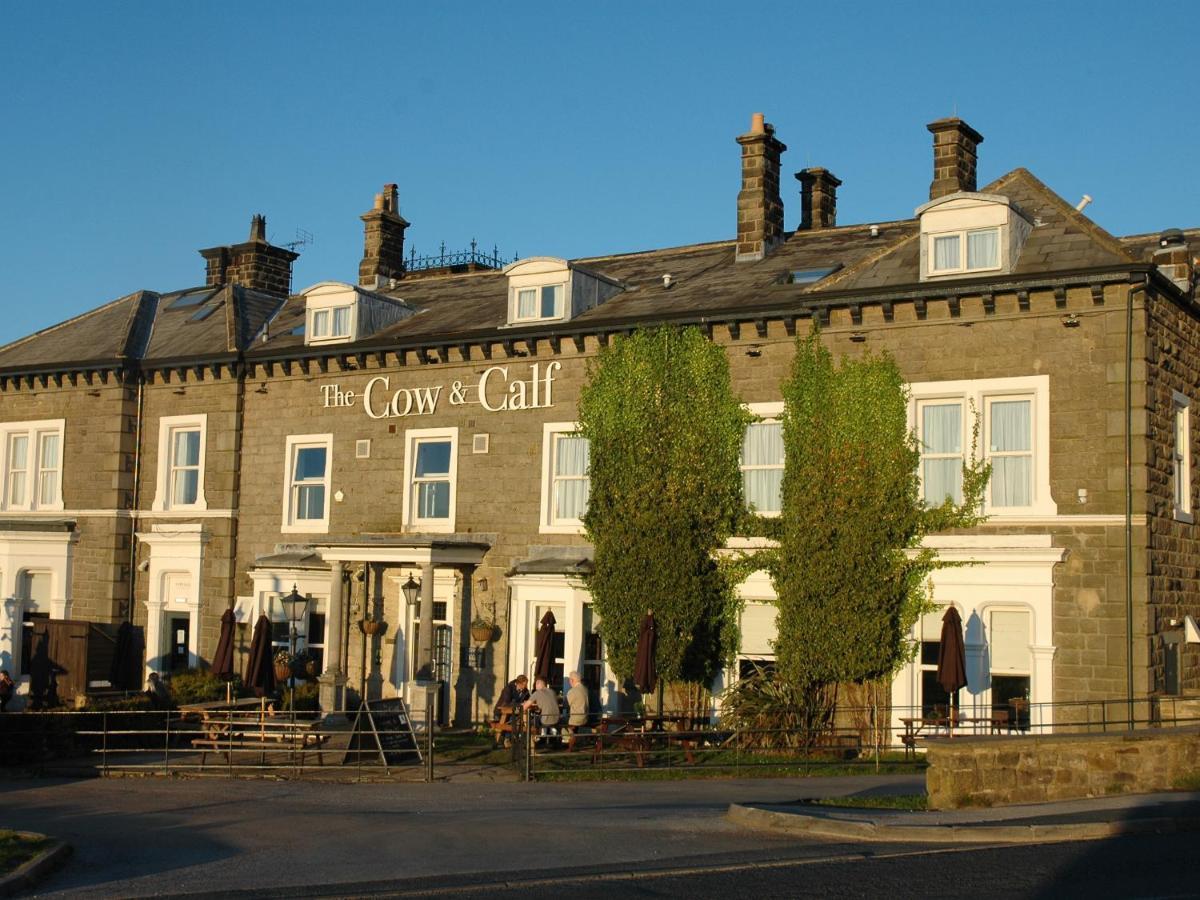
[858, 337]
[754, 351]
[1070, 321]
[261, 389]
[412, 591]
[179, 391]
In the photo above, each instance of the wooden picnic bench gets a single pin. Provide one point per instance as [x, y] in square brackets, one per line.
[228, 729]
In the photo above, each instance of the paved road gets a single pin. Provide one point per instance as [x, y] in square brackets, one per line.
[148, 837]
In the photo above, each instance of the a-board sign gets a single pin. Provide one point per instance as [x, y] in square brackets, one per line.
[382, 729]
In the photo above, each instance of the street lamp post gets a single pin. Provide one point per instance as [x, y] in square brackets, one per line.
[295, 605]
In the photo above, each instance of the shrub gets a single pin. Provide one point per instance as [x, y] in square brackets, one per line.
[200, 686]
[772, 713]
[306, 697]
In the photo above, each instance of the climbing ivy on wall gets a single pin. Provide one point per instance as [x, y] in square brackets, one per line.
[665, 432]
[849, 573]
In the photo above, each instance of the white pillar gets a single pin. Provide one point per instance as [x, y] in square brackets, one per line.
[1042, 685]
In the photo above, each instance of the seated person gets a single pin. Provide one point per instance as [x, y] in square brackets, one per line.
[515, 693]
[545, 701]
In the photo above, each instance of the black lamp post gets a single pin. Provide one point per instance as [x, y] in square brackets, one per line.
[295, 605]
[412, 591]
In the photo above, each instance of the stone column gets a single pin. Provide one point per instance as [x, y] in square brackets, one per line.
[333, 679]
[1042, 684]
[425, 651]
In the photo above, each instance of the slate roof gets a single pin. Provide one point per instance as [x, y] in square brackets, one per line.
[200, 323]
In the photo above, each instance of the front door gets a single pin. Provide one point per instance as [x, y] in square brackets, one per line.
[179, 628]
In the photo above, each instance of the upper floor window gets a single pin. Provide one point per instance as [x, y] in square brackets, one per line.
[181, 444]
[762, 461]
[966, 251]
[1014, 432]
[566, 484]
[306, 486]
[31, 463]
[545, 302]
[430, 470]
[331, 323]
[1181, 459]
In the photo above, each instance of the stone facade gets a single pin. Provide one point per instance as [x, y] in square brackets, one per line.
[996, 771]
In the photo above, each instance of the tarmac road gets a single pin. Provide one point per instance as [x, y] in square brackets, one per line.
[154, 837]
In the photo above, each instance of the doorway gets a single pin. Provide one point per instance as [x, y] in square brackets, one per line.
[179, 628]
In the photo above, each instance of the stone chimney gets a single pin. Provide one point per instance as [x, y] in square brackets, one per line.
[760, 208]
[255, 264]
[954, 155]
[383, 240]
[818, 198]
[1174, 259]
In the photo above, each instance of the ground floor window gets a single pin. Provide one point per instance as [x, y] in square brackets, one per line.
[593, 655]
[1008, 644]
[749, 666]
[934, 699]
[557, 647]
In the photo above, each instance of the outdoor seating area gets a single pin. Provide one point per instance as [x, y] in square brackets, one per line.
[252, 727]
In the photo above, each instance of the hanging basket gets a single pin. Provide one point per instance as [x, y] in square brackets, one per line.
[482, 633]
[370, 626]
[283, 671]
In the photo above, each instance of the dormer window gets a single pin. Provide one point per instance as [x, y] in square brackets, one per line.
[967, 233]
[548, 289]
[545, 302]
[331, 323]
[966, 251]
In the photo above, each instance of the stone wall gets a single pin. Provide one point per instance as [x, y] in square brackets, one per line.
[994, 771]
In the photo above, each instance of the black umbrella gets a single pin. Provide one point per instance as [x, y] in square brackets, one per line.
[544, 648]
[645, 672]
[260, 672]
[123, 659]
[222, 663]
[40, 671]
[952, 658]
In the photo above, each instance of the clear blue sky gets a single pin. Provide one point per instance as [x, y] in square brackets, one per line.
[137, 133]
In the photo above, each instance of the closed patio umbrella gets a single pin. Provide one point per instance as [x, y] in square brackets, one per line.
[222, 663]
[120, 674]
[952, 659]
[260, 671]
[544, 647]
[645, 670]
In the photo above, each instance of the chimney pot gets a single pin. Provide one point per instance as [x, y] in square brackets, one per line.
[757, 125]
[254, 264]
[955, 154]
[383, 240]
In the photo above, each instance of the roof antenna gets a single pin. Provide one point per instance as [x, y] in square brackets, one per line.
[304, 238]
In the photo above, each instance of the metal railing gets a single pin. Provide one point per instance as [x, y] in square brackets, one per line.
[443, 259]
[230, 743]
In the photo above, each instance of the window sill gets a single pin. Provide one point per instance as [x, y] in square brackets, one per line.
[306, 527]
[1185, 517]
[435, 526]
[561, 528]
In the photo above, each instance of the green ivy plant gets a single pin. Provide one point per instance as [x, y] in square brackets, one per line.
[665, 431]
[849, 572]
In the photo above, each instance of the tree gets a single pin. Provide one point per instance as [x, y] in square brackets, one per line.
[665, 431]
[850, 574]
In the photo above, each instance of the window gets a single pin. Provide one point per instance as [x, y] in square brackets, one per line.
[941, 435]
[181, 444]
[934, 699]
[592, 672]
[32, 465]
[430, 466]
[1013, 415]
[1008, 641]
[965, 251]
[310, 630]
[34, 588]
[762, 467]
[1181, 459]
[544, 302]
[306, 479]
[566, 485]
[330, 323]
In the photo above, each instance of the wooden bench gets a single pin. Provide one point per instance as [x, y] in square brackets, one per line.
[229, 731]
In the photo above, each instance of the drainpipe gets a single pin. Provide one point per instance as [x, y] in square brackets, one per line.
[1133, 288]
[137, 470]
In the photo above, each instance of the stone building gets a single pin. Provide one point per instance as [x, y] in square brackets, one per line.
[169, 455]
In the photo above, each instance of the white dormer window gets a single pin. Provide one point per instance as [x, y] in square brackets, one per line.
[977, 250]
[545, 302]
[548, 289]
[968, 233]
[331, 323]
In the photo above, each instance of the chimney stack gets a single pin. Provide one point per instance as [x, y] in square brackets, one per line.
[818, 198]
[760, 208]
[254, 264]
[954, 155]
[1174, 259]
[383, 240]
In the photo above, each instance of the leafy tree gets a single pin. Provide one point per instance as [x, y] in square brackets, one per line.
[665, 432]
[849, 573]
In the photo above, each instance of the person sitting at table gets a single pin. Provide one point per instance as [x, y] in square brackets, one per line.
[545, 701]
[577, 706]
[515, 693]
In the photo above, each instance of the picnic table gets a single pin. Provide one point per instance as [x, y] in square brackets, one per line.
[252, 726]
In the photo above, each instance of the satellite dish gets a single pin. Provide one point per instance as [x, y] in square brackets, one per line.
[1191, 633]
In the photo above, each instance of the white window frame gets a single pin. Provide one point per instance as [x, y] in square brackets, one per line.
[328, 314]
[1181, 457]
[766, 413]
[549, 523]
[962, 234]
[979, 393]
[295, 443]
[413, 437]
[964, 439]
[986, 442]
[168, 426]
[34, 431]
[514, 306]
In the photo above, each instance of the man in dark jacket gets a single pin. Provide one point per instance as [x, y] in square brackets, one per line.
[514, 694]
